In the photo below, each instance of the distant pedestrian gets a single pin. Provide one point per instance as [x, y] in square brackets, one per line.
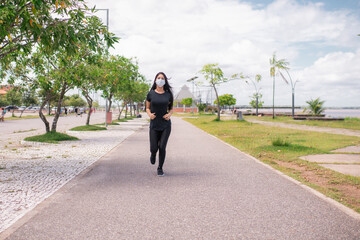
[2, 117]
[81, 111]
[159, 107]
[66, 111]
[76, 111]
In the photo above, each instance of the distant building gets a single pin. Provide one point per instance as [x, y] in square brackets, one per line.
[182, 94]
[4, 89]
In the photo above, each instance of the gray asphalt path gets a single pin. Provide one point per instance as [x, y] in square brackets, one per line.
[210, 191]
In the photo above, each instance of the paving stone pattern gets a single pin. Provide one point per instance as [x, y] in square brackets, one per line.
[33, 171]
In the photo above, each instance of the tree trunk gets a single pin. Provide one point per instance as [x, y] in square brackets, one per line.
[110, 102]
[21, 113]
[138, 109]
[126, 109]
[42, 116]
[120, 111]
[131, 109]
[218, 103]
[57, 114]
[90, 102]
[49, 108]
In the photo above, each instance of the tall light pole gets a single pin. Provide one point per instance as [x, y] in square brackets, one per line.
[107, 26]
[192, 80]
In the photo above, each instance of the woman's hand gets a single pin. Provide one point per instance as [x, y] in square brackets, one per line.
[167, 116]
[152, 116]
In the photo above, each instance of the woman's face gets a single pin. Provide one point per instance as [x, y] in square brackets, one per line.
[160, 76]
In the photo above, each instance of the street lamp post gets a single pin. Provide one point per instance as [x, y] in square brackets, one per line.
[192, 80]
[107, 26]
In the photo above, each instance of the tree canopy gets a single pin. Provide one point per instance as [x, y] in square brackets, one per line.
[50, 24]
[226, 100]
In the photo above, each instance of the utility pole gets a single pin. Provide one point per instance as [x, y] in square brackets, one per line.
[107, 26]
[192, 80]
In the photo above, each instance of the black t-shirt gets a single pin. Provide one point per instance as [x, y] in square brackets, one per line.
[160, 104]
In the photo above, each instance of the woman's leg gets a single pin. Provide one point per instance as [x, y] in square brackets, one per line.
[154, 144]
[162, 146]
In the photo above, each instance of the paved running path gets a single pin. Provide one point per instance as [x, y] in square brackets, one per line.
[341, 131]
[210, 191]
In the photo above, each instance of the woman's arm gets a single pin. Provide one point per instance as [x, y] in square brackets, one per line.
[148, 111]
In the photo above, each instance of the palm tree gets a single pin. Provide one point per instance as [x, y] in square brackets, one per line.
[275, 66]
[316, 106]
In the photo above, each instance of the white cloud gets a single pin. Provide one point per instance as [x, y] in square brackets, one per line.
[179, 37]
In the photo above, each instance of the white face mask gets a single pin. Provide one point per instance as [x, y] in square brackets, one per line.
[160, 82]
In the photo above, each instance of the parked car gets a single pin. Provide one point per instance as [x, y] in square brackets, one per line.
[11, 107]
[22, 108]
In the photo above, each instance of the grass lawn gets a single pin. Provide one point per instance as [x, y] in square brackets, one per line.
[51, 137]
[88, 128]
[281, 148]
[124, 119]
[348, 123]
[113, 123]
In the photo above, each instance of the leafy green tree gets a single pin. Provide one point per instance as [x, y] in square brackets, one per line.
[201, 106]
[187, 101]
[96, 104]
[56, 66]
[3, 101]
[76, 101]
[141, 89]
[51, 24]
[133, 92]
[226, 100]
[118, 77]
[256, 101]
[13, 97]
[315, 106]
[275, 66]
[215, 76]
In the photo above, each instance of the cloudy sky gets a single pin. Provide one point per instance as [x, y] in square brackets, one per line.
[319, 38]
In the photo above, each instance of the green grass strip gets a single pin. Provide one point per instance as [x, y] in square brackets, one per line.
[88, 128]
[51, 137]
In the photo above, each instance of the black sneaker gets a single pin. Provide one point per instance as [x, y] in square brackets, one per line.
[160, 173]
[152, 158]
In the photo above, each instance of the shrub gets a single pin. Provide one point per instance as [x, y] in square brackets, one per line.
[280, 143]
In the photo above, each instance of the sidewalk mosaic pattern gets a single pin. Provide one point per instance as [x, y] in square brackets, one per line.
[32, 172]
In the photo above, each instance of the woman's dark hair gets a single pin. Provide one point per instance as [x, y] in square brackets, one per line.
[167, 86]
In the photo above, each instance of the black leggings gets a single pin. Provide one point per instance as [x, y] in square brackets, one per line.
[158, 141]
